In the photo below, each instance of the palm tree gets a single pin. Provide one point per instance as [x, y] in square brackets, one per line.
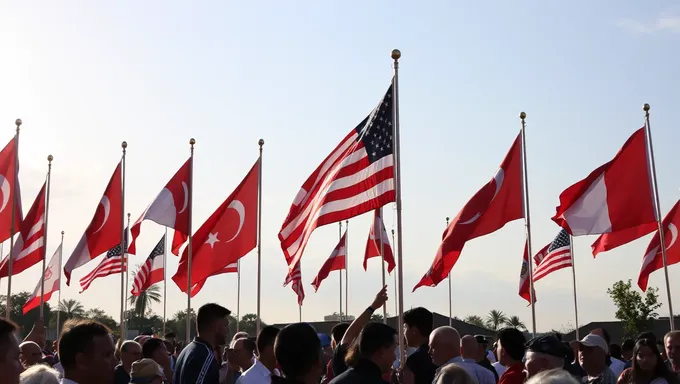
[515, 322]
[496, 319]
[142, 303]
[71, 308]
[475, 320]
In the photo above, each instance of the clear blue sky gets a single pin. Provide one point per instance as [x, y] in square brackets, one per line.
[86, 75]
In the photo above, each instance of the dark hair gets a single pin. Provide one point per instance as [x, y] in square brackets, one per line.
[628, 345]
[660, 370]
[421, 319]
[647, 335]
[266, 338]
[512, 340]
[170, 335]
[338, 331]
[249, 344]
[568, 355]
[615, 351]
[605, 335]
[150, 346]
[558, 336]
[209, 313]
[78, 339]
[7, 330]
[374, 337]
[297, 349]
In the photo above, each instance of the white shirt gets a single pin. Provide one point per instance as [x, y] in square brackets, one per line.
[67, 381]
[257, 374]
[491, 357]
[481, 374]
[617, 366]
[500, 369]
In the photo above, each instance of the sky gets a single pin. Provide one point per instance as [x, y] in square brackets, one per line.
[84, 76]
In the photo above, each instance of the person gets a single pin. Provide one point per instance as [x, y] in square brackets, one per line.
[482, 355]
[454, 374]
[298, 351]
[445, 349]
[86, 352]
[510, 352]
[171, 346]
[196, 363]
[552, 376]
[30, 354]
[337, 333]
[242, 354]
[10, 366]
[627, 352]
[39, 374]
[155, 350]
[648, 366]
[130, 351]
[417, 329]
[374, 349]
[543, 353]
[265, 363]
[617, 366]
[146, 371]
[672, 346]
[593, 351]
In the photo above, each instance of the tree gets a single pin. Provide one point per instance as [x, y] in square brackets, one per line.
[248, 324]
[515, 322]
[496, 319]
[142, 303]
[71, 309]
[378, 317]
[25, 322]
[101, 316]
[178, 324]
[475, 320]
[636, 313]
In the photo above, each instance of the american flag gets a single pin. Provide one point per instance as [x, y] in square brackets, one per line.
[296, 278]
[152, 271]
[110, 265]
[554, 256]
[357, 177]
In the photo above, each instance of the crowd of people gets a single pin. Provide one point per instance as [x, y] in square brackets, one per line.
[361, 352]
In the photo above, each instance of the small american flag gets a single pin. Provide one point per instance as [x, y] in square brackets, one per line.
[554, 256]
[152, 271]
[110, 265]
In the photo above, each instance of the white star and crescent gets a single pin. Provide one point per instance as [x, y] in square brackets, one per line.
[5, 187]
[212, 239]
[107, 209]
[498, 178]
[241, 210]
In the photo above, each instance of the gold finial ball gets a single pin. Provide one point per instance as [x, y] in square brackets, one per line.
[50, 158]
[396, 54]
[646, 107]
[522, 115]
[260, 142]
[18, 122]
[124, 144]
[192, 141]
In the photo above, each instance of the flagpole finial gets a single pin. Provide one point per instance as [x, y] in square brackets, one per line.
[260, 142]
[646, 107]
[129, 216]
[396, 54]
[50, 158]
[522, 115]
[123, 145]
[18, 122]
[192, 141]
[62, 233]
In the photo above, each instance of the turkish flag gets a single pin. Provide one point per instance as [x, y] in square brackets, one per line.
[228, 234]
[231, 268]
[9, 189]
[497, 203]
[373, 243]
[104, 231]
[608, 241]
[337, 261]
[653, 259]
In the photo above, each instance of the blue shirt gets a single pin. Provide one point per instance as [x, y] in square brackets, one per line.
[483, 375]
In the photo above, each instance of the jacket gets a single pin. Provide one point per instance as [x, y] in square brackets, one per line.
[197, 364]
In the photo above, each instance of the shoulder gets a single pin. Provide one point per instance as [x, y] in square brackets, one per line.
[343, 377]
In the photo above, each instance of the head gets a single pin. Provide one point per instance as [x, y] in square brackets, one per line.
[417, 326]
[241, 352]
[10, 366]
[337, 333]
[553, 376]
[240, 335]
[156, 350]
[510, 348]
[86, 352]
[298, 351]
[454, 374]
[377, 342]
[482, 347]
[662, 350]
[647, 361]
[130, 351]
[40, 374]
[146, 371]
[30, 354]
[212, 323]
[265, 345]
[444, 345]
[593, 351]
[615, 351]
[171, 337]
[627, 349]
[469, 347]
[542, 354]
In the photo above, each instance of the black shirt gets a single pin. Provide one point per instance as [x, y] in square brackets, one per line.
[120, 376]
[197, 364]
[365, 372]
[338, 361]
[421, 365]
[487, 364]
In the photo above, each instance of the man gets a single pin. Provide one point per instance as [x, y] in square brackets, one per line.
[482, 353]
[617, 366]
[417, 329]
[543, 353]
[672, 346]
[10, 366]
[510, 354]
[298, 351]
[86, 352]
[30, 354]
[593, 351]
[196, 363]
[130, 351]
[265, 363]
[445, 349]
[241, 353]
[337, 333]
[156, 350]
[146, 371]
[376, 345]
[627, 349]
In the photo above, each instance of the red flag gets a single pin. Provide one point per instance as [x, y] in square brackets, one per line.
[524, 283]
[296, 278]
[9, 188]
[653, 259]
[103, 233]
[228, 234]
[609, 241]
[337, 261]
[52, 278]
[28, 247]
[615, 197]
[152, 271]
[373, 243]
[497, 203]
[170, 208]
[231, 268]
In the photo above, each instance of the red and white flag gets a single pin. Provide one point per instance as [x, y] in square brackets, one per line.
[152, 271]
[653, 260]
[554, 256]
[524, 284]
[228, 234]
[52, 279]
[103, 233]
[9, 189]
[231, 268]
[296, 278]
[615, 197]
[112, 264]
[373, 243]
[28, 246]
[357, 177]
[170, 208]
[499, 202]
[337, 261]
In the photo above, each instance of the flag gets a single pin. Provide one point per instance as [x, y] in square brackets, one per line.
[357, 177]
[653, 259]
[152, 271]
[110, 265]
[52, 278]
[554, 256]
[231, 268]
[103, 233]
[28, 246]
[228, 234]
[9, 189]
[373, 243]
[164, 209]
[337, 261]
[608, 241]
[524, 283]
[615, 197]
[296, 278]
[497, 203]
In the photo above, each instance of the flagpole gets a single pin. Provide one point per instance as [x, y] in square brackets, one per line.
[450, 299]
[346, 268]
[259, 239]
[61, 248]
[382, 256]
[340, 272]
[44, 248]
[165, 278]
[527, 221]
[300, 312]
[657, 212]
[573, 278]
[190, 252]
[396, 296]
[127, 272]
[122, 245]
[238, 295]
[10, 261]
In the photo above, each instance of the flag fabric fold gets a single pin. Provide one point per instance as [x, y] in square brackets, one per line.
[337, 261]
[373, 243]
[554, 256]
[653, 259]
[524, 284]
[110, 265]
[152, 271]
[296, 278]
[231, 268]
[52, 278]
[9, 190]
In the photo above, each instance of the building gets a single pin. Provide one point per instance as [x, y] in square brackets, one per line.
[338, 318]
[659, 327]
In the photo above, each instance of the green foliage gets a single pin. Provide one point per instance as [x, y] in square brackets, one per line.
[378, 317]
[515, 322]
[636, 312]
[17, 314]
[495, 320]
[475, 320]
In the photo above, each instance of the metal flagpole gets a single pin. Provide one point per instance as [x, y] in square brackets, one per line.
[190, 252]
[396, 293]
[573, 278]
[527, 220]
[259, 239]
[340, 272]
[300, 312]
[657, 212]
[238, 296]
[44, 248]
[346, 267]
[122, 245]
[10, 261]
[127, 272]
[382, 255]
[61, 251]
[165, 278]
[450, 299]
